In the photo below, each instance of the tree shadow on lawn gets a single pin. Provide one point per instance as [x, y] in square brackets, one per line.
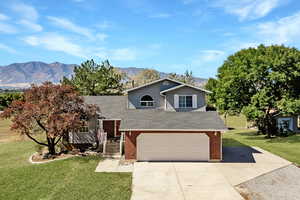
[253, 135]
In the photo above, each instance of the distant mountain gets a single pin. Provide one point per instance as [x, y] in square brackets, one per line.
[20, 75]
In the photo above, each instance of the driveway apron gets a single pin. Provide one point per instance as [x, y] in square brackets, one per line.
[180, 181]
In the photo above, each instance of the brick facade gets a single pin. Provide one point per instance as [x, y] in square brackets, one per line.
[214, 142]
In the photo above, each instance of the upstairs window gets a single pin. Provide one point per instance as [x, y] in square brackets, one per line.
[186, 101]
[147, 101]
[84, 128]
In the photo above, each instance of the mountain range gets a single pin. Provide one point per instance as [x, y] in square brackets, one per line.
[21, 75]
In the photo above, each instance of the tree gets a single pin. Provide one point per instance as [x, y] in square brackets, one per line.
[93, 79]
[210, 85]
[146, 76]
[51, 110]
[8, 97]
[187, 77]
[260, 82]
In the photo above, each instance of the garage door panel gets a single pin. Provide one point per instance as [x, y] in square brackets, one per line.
[172, 146]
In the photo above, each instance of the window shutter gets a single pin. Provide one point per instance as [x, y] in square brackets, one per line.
[194, 101]
[176, 101]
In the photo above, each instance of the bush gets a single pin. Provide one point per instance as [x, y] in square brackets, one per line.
[7, 98]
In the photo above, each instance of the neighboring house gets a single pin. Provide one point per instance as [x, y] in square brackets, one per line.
[161, 121]
[291, 123]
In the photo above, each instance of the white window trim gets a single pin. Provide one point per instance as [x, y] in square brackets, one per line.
[147, 103]
[176, 101]
[298, 121]
[186, 95]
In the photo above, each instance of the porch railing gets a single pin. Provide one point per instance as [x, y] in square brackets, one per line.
[102, 138]
[122, 139]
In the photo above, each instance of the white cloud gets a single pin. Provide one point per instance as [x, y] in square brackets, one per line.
[247, 9]
[3, 17]
[105, 25]
[26, 11]
[188, 1]
[68, 25]
[7, 48]
[284, 30]
[31, 25]
[208, 56]
[7, 28]
[101, 36]
[55, 42]
[29, 16]
[161, 15]
[124, 54]
[120, 54]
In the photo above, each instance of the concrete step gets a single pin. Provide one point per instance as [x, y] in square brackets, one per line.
[112, 155]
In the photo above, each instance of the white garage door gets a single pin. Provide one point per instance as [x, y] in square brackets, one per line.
[172, 147]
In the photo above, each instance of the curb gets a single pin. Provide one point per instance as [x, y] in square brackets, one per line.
[47, 161]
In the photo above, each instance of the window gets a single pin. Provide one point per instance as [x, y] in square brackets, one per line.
[147, 101]
[298, 120]
[285, 123]
[185, 101]
[84, 128]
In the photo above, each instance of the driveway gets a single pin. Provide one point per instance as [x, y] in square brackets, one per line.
[202, 180]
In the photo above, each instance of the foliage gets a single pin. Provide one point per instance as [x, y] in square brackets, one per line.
[210, 86]
[7, 97]
[145, 76]
[52, 110]
[261, 83]
[92, 79]
[187, 77]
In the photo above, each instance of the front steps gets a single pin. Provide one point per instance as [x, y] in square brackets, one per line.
[112, 149]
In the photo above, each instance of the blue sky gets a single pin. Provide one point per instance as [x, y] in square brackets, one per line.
[166, 35]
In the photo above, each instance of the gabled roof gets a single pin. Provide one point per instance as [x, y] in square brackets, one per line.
[184, 85]
[114, 107]
[153, 82]
[151, 119]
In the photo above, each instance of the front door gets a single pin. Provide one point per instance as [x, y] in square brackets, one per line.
[109, 128]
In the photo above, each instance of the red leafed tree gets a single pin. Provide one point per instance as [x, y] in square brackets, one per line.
[49, 109]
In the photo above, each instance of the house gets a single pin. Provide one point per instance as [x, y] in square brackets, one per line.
[291, 123]
[164, 120]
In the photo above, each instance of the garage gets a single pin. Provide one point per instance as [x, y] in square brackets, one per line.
[172, 147]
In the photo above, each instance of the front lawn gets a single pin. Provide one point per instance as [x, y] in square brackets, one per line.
[5, 133]
[73, 178]
[286, 147]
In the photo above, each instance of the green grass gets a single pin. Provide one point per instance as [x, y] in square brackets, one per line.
[5, 133]
[73, 178]
[236, 122]
[286, 147]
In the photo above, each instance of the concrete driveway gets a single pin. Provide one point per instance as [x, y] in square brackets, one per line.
[202, 180]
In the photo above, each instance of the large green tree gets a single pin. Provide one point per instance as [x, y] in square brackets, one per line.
[261, 83]
[95, 79]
